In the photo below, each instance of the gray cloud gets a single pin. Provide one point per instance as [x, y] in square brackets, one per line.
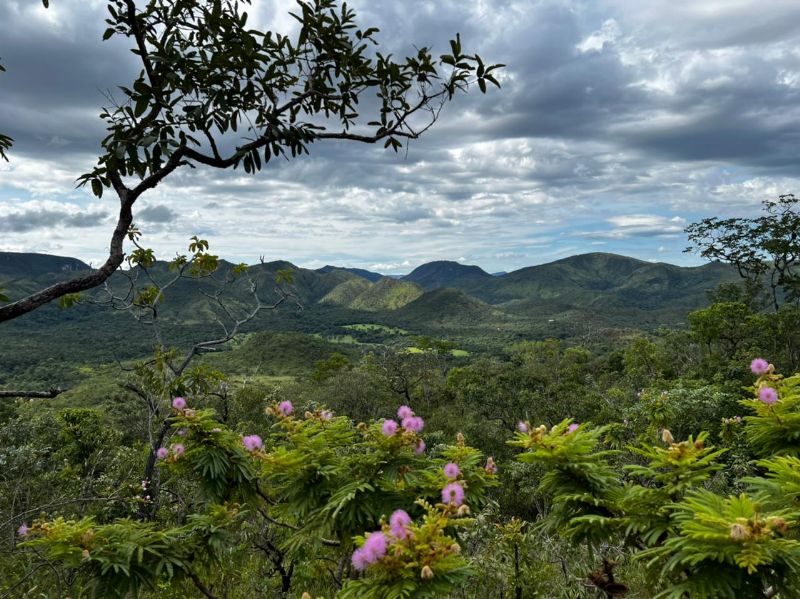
[48, 217]
[156, 214]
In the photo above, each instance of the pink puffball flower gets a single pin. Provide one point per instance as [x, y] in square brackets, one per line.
[491, 467]
[389, 428]
[413, 423]
[179, 403]
[768, 395]
[759, 366]
[451, 470]
[573, 427]
[375, 545]
[326, 415]
[359, 560]
[162, 453]
[178, 449]
[252, 442]
[522, 427]
[23, 530]
[453, 494]
[399, 522]
[373, 549]
[285, 408]
[419, 447]
[404, 412]
[181, 432]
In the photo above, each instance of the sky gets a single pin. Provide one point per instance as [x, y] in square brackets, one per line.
[619, 122]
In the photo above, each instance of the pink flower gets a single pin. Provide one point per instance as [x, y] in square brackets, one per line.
[491, 467]
[768, 395]
[522, 427]
[326, 415]
[573, 427]
[178, 449]
[451, 470]
[285, 408]
[162, 453]
[252, 442]
[181, 432]
[399, 522]
[413, 423]
[759, 366]
[389, 428]
[359, 560]
[404, 412]
[419, 447]
[375, 545]
[179, 403]
[23, 530]
[373, 549]
[453, 493]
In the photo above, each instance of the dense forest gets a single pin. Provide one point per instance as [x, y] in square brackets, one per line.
[370, 460]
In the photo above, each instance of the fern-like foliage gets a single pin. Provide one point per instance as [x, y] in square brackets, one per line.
[774, 429]
[126, 557]
[727, 547]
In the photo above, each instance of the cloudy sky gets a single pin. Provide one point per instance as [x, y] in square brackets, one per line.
[619, 122]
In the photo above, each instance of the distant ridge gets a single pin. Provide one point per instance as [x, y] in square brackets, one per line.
[367, 274]
[445, 273]
[21, 264]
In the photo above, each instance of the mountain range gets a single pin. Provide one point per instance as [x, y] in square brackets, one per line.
[441, 298]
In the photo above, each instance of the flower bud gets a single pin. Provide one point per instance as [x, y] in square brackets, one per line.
[460, 441]
[455, 548]
[426, 573]
[738, 532]
[463, 510]
[667, 437]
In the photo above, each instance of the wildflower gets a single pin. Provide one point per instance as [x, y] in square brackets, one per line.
[522, 427]
[162, 453]
[252, 442]
[178, 449]
[491, 467]
[759, 366]
[374, 547]
[23, 530]
[768, 395]
[285, 408]
[419, 447]
[451, 470]
[359, 560]
[181, 432]
[453, 494]
[179, 403]
[404, 412]
[399, 522]
[573, 427]
[426, 573]
[413, 423]
[389, 428]
[326, 415]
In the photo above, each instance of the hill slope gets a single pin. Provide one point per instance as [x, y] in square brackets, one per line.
[444, 273]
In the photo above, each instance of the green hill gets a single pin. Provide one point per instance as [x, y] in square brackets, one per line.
[16, 264]
[444, 273]
[447, 308]
[386, 294]
[366, 274]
